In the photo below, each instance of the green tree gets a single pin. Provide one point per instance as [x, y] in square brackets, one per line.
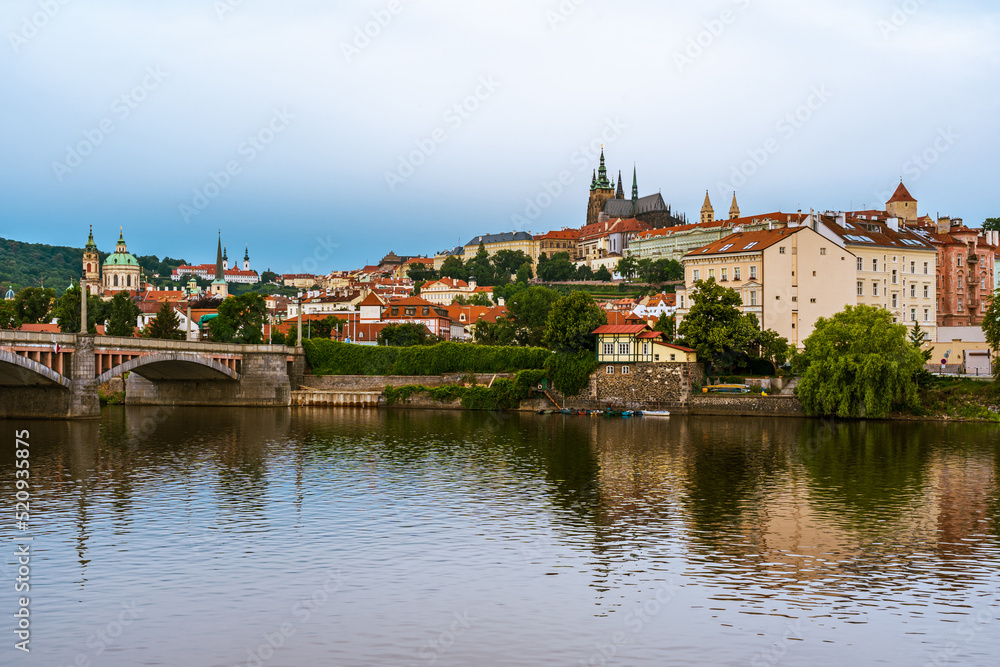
[122, 316]
[480, 268]
[992, 224]
[508, 262]
[769, 346]
[859, 364]
[667, 324]
[8, 317]
[240, 320]
[421, 273]
[269, 277]
[714, 326]
[603, 274]
[407, 334]
[525, 273]
[454, 268]
[507, 292]
[571, 322]
[584, 272]
[530, 311]
[166, 325]
[277, 338]
[557, 268]
[32, 304]
[501, 333]
[991, 327]
[325, 327]
[628, 267]
[67, 311]
[917, 339]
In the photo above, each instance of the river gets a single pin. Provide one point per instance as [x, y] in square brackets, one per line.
[223, 537]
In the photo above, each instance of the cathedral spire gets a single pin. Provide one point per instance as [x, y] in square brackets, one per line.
[593, 182]
[602, 174]
[734, 210]
[635, 187]
[621, 192]
[707, 212]
[218, 260]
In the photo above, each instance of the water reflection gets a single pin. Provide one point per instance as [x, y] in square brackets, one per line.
[571, 519]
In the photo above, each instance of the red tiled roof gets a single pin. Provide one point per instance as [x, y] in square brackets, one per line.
[563, 234]
[372, 300]
[632, 329]
[678, 347]
[736, 243]
[901, 194]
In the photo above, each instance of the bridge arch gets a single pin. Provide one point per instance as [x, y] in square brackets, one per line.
[18, 371]
[173, 366]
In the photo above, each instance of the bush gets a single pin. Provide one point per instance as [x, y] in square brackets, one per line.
[503, 395]
[328, 357]
[570, 373]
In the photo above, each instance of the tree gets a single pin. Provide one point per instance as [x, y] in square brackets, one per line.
[571, 322]
[166, 325]
[508, 262]
[8, 317]
[859, 363]
[714, 321]
[269, 277]
[525, 273]
[992, 225]
[420, 272]
[67, 311]
[407, 334]
[325, 327]
[556, 268]
[584, 272]
[503, 332]
[917, 339]
[32, 304]
[628, 267]
[240, 320]
[453, 268]
[530, 311]
[122, 316]
[659, 271]
[603, 274]
[991, 327]
[667, 324]
[507, 292]
[769, 346]
[277, 338]
[480, 268]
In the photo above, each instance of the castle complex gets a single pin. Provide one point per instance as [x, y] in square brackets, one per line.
[608, 204]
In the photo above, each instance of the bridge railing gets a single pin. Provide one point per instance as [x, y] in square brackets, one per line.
[13, 336]
[198, 347]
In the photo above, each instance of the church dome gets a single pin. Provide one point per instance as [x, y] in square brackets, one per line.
[121, 256]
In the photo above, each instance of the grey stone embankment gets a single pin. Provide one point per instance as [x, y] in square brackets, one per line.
[380, 382]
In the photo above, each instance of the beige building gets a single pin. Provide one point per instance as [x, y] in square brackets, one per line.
[443, 291]
[788, 278]
[675, 242]
[494, 243]
[895, 267]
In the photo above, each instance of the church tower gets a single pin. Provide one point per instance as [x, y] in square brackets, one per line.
[635, 192]
[246, 258]
[902, 205]
[734, 209]
[600, 192]
[707, 212]
[620, 193]
[92, 265]
[219, 286]
[225, 259]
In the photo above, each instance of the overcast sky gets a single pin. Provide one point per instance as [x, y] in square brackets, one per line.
[323, 147]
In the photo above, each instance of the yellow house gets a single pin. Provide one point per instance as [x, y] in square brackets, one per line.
[637, 343]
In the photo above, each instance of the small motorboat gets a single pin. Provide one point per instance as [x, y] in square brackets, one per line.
[656, 413]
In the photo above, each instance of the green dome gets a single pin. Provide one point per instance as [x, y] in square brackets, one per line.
[121, 259]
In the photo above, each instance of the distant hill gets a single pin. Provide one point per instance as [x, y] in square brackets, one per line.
[28, 264]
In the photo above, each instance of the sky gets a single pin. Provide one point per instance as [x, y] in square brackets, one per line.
[323, 135]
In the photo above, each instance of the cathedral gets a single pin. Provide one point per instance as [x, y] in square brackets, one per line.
[120, 271]
[608, 204]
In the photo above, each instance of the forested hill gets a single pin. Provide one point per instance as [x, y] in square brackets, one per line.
[28, 264]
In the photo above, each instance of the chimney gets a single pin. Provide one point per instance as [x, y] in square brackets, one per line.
[842, 219]
[893, 224]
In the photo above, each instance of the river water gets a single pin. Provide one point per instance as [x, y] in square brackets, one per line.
[349, 537]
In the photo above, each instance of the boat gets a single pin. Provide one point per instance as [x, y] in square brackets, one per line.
[656, 413]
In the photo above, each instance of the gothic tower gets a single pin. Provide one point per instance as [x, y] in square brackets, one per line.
[600, 192]
[92, 265]
[707, 212]
[635, 191]
[734, 210]
[620, 193]
[246, 258]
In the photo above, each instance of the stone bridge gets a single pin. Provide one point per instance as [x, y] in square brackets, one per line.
[57, 375]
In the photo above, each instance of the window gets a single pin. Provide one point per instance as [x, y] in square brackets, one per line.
[895, 300]
[737, 273]
[623, 348]
[861, 288]
[960, 259]
[927, 314]
[673, 357]
[861, 266]
[753, 272]
[724, 279]
[960, 303]
[624, 370]
[895, 278]
[925, 268]
[753, 298]
[608, 348]
[777, 298]
[781, 250]
[645, 348]
[697, 274]
[822, 251]
[913, 314]
[982, 283]
[656, 357]
[610, 370]
[927, 291]
[874, 288]
[913, 291]
[812, 300]
[749, 245]
[913, 267]
[711, 273]
[116, 285]
[426, 310]
[395, 311]
[874, 265]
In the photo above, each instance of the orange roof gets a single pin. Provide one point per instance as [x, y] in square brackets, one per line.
[571, 234]
[372, 300]
[745, 241]
[678, 347]
[901, 194]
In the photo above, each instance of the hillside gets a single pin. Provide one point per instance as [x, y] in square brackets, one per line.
[28, 264]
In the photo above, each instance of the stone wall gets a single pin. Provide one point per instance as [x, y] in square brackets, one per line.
[743, 405]
[645, 383]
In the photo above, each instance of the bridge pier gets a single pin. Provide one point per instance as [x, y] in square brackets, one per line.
[24, 394]
[264, 382]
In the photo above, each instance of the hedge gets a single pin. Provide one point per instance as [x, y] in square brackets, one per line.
[329, 357]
